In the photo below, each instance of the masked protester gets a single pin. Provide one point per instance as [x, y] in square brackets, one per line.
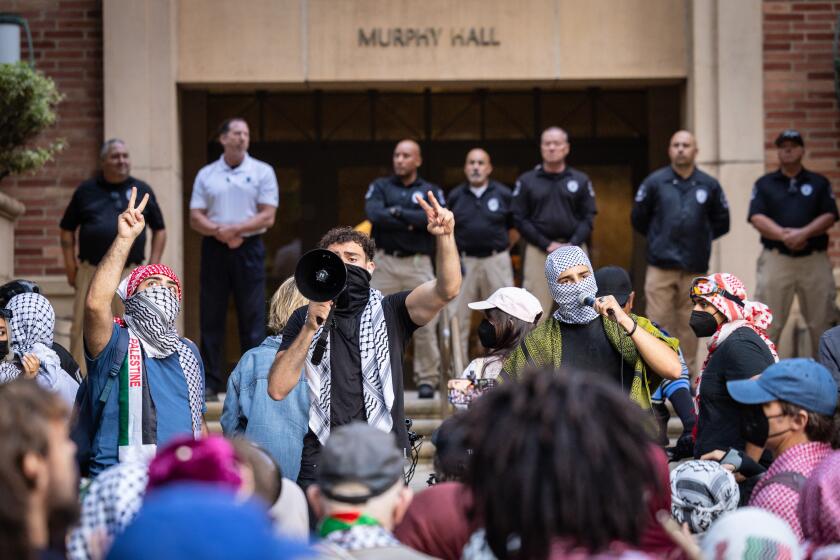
[597, 337]
[360, 375]
[738, 349]
[509, 315]
[159, 393]
[26, 337]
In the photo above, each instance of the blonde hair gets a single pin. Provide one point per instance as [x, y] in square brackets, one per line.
[285, 300]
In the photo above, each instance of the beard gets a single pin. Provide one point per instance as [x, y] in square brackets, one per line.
[63, 509]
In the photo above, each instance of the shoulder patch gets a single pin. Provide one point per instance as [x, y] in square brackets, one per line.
[369, 192]
[641, 193]
[493, 204]
[591, 189]
[518, 188]
[572, 186]
[806, 189]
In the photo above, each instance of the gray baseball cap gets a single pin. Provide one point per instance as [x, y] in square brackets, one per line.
[359, 453]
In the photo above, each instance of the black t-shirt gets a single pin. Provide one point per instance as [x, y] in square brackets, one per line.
[741, 356]
[94, 209]
[587, 348]
[793, 202]
[346, 395]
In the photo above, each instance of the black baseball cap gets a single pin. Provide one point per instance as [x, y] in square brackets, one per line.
[614, 281]
[790, 135]
[15, 288]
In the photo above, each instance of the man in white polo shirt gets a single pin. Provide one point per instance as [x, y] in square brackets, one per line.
[234, 200]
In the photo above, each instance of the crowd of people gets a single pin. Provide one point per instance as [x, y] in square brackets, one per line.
[559, 447]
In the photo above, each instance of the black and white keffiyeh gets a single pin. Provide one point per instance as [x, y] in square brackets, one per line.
[567, 296]
[377, 383]
[31, 332]
[702, 491]
[150, 315]
[110, 504]
[363, 537]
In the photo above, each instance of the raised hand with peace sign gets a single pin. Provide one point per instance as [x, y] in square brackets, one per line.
[130, 223]
[441, 220]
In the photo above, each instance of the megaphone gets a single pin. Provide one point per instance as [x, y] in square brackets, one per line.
[320, 275]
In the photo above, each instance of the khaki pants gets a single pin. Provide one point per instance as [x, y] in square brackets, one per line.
[84, 275]
[670, 306]
[533, 278]
[482, 277]
[395, 274]
[810, 278]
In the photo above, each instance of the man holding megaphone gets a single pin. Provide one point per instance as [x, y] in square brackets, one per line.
[350, 346]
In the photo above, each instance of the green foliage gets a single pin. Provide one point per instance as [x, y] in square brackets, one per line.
[28, 100]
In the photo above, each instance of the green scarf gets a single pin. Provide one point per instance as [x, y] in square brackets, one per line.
[344, 522]
[543, 347]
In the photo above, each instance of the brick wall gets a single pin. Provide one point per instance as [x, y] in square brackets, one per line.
[67, 39]
[799, 86]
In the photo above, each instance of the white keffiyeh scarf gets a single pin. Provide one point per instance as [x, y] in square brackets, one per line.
[377, 383]
[567, 296]
[150, 316]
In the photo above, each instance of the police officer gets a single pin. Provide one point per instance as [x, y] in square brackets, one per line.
[553, 205]
[680, 209]
[234, 201]
[404, 248]
[793, 209]
[483, 225]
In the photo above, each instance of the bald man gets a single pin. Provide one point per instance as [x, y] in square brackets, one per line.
[553, 205]
[404, 248]
[680, 210]
[483, 232]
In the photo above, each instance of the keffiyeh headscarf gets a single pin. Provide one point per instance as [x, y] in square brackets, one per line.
[109, 505]
[752, 314]
[567, 296]
[30, 331]
[150, 316]
[702, 491]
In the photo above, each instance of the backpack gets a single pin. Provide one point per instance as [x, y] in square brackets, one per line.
[88, 408]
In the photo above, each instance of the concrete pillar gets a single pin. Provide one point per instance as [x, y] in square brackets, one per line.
[10, 210]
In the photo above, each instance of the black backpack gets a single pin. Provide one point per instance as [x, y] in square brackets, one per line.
[88, 408]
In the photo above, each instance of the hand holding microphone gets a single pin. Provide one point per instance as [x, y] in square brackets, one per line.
[609, 307]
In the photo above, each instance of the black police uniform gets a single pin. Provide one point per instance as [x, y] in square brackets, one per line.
[481, 222]
[399, 223]
[793, 202]
[680, 218]
[554, 206]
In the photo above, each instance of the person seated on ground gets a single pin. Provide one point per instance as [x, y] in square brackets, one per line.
[277, 426]
[750, 533]
[615, 281]
[38, 483]
[27, 324]
[819, 510]
[798, 399]
[360, 495]
[360, 375]
[738, 349]
[702, 491]
[20, 286]
[563, 461]
[599, 338]
[509, 315]
[160, 386]
[201, 522]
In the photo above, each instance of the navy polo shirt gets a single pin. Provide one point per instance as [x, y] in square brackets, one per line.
[399, 223]
[481, 222]
[793, 202]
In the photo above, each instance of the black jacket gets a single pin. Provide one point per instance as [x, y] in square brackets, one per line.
[399, 224]
[481, 223]
[680, 218]
[552, 206]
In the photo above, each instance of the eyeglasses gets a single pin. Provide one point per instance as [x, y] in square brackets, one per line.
[704, 287]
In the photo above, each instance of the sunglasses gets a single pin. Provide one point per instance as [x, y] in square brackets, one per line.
[704, 287]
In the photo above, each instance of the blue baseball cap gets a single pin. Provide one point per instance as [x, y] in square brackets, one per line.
[799, 381]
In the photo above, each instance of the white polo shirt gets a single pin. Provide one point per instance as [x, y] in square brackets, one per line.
[231, 195]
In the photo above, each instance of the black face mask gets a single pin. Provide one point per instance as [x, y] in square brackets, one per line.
[357, 290]
[702, 323]
[754, 425]
[487, 334]
[4, 348]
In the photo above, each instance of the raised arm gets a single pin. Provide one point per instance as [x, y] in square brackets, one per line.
[424, 301]
[106, 279]
[285, 370]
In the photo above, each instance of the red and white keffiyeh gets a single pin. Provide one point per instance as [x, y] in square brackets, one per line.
[142, 272]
